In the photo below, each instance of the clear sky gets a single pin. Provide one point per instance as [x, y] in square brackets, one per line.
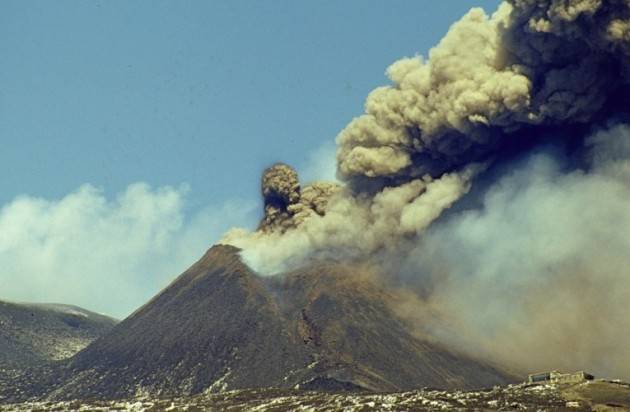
[192, 99]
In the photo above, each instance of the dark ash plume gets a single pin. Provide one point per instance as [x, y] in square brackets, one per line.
[518, 269]
[280, 190]
[532, 64]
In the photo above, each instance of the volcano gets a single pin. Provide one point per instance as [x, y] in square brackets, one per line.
[219, 326]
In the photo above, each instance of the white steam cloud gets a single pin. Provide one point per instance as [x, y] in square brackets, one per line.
[107, 255]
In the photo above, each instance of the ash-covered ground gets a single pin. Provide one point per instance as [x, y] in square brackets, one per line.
[598, 395]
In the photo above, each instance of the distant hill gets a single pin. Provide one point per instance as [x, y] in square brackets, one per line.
[32, 334]
[219, 327]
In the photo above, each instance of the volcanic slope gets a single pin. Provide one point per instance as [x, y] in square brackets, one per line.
[32, 334]
[345, 316]
[219, 326]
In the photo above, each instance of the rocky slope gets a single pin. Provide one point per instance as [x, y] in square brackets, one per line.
[32, 334]
[344, 316]
[588, 396]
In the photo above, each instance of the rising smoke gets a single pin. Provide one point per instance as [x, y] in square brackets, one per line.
[520, 117]
[537, 277]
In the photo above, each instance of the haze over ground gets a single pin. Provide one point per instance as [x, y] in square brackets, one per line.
[133, 135]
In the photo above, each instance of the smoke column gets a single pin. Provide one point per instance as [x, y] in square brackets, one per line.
[517, 123]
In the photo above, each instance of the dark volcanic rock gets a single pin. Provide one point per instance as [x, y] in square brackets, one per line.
[215, 325]
[345, 317]
[597, 395]
[32, 334]
[220, 326]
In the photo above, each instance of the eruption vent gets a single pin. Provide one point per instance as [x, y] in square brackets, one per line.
[286, 205]
[280, 190]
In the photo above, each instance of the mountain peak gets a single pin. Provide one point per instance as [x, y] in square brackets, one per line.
[220, 326]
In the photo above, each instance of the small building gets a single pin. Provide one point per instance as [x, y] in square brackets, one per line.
[558, 377]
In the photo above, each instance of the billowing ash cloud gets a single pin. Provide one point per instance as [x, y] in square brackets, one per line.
[493, 85]
[280, 190]
[521, 117]
[533, 63]
[287, 205]
[332, 222]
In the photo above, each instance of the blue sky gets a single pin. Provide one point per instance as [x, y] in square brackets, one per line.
[196, 97]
